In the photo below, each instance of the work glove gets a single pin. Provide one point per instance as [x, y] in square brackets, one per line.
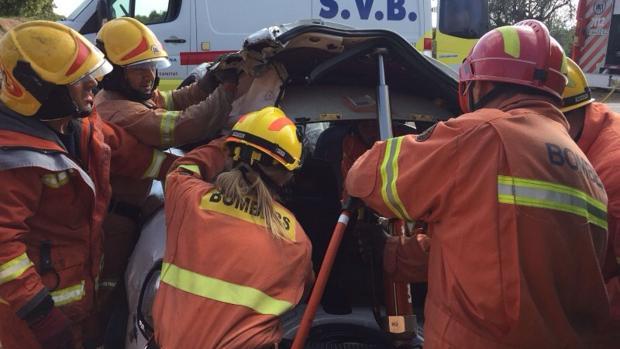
[208, 82]
[406, 257]
[232, 60]
[53, 330]
[227, 68]
[214, 78]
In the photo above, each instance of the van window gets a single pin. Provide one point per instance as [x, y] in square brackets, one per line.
[151, 11]
[120, 8]
[146, 11]
[464, 18]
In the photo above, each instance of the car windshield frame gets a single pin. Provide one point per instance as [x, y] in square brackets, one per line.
[78, 9]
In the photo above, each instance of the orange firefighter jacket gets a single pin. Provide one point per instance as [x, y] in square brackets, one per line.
[225, 280]
[518, 221]
[600, 141]
[170, 118]
[52, 206]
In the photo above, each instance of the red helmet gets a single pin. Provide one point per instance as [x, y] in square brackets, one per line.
[523, 54]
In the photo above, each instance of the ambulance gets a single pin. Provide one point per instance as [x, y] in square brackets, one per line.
[196, 31]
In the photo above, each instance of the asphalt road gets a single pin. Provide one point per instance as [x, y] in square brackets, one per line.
[614, 106]
[613, 100]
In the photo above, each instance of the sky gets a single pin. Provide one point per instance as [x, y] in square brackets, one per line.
[64, 7]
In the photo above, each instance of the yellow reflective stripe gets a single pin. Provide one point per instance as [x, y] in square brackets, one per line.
[533, 183]
[389, 176]
[69, 294]
[512, 44]
[222, 291]
[168, 101]
[155, 166]
[535, 193]
[191, 168]
[14, 268]
[166, 127]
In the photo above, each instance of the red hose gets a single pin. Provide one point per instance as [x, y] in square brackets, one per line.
[321, 280]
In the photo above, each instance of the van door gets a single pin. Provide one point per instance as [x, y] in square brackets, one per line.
[409, 18]
[222, 25]
[170, 21]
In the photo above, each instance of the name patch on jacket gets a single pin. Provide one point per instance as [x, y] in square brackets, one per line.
[246, 209]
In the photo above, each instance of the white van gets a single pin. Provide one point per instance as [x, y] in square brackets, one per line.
[195, 31]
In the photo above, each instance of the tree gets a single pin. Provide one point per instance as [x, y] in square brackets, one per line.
[556, 14]
[42, 9]
[153, 17]
[506, 12]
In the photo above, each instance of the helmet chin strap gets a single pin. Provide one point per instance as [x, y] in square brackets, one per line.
[116, 81]
[484, 100]
[60, 105]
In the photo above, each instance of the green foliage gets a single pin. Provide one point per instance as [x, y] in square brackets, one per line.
[153, 17]
[556, 14]
[39, 9]
[507, 12]
[564, 35]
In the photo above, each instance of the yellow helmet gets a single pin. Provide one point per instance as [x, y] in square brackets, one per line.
[128, 42]
[577, 93]
[38, 57]
[270, 132]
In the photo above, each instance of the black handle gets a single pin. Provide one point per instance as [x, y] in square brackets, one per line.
[175, 40]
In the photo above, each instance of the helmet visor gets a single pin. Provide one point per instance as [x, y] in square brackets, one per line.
[96, 73]
[154, 63]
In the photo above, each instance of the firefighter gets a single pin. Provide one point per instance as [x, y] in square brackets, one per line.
[235, 258]
[55, 159]
[596, 129]
[516, 213]
[131, 100]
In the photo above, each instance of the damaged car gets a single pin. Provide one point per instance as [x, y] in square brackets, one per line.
[345, 89]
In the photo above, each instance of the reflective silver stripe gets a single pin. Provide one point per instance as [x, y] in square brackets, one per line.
[222, 291]
[155, 166]
[536, 193]
[168, 100]
[14, 268]
[166, 127]
[57, 162]
[69, 294]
